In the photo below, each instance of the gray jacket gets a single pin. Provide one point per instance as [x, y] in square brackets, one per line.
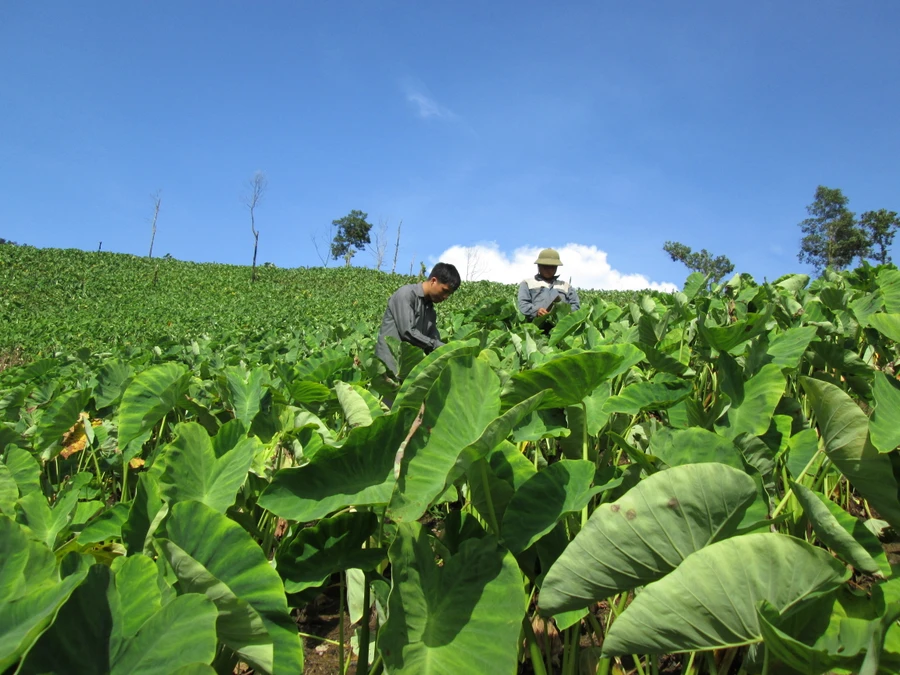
[409, 317]
[537, 292]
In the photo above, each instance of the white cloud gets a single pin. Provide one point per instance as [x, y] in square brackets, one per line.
[426, 106]
[586, 266]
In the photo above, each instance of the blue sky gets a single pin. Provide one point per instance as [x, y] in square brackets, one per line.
[601, 128]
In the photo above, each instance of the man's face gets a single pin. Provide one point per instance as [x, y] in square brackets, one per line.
[439, 292]
[547, 271]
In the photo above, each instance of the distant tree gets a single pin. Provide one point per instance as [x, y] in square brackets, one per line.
[257, 187]
[475, 266]
[7, 241]
[880, 227]
[352, 235]
[397, 247]
[833, 237]
[157, 200]
[379, 248]
[700, 261]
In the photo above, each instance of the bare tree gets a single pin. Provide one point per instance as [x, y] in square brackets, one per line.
[325, 237]
[397, 246]
[475, 266]
[157, 200]
[411, 263]
[257, 186]
[378, 248]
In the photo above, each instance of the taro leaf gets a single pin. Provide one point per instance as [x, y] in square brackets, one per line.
[112, 379]
[31, 591]
[693, 284]
[787, 348]
[228, 436]
[540, 424]
[9, 491]
[647, 533]
[570, 377]
[883, 427]
[726, 338]
[754, 413]
[359, 406]
[889, 283]
[106, 526]
[568, 324]
[842, 533]
[886, 324]
[506, 469]
[148, 398]
[536, 507]
[120, 627]
[451, 424]
[710, 600]
[333, 545]
[843, 642]
[439, 617]
[325, 367]
[418, 382]
[309, 392]
[844, 429]
[44, 522]
[360, 472]
[802, 447]
[865, 306]
[212, 554]
[245, 392]
[143, 515]
[494, 434]
[192, 471]
[24, 469]
[694, 446]
[647, 396]
[59, 417]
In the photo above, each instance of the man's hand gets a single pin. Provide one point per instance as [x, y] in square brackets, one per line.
[542, 311]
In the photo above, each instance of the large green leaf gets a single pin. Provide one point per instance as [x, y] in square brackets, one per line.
[149, 396]
[112, 379]
[787, 348]
[694, 446]
[359, 406]
[506, 469]
[24, 469]
[647, 533]
[536, 507]
[570, 377]
[143, 515]
[647, 396]
[461, 617]
[45, 522]
[451, 423]
[118, 625]
[212, 554]
[245, 391]
[59, 417]
[889, 283]
[193, 472]
[886, 324]
[418, 382]
[332, 545]
[844, 430]
[883, 427]
[754, 412]
[359, 472]
[726, 338]
[31, 591]
[845, 535]
[108, 525]
[710, 600]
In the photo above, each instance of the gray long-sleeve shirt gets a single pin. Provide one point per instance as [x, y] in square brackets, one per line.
[537, 292]
[409, 317]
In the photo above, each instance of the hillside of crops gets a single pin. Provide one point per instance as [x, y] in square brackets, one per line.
[64, 300]
[699, 482]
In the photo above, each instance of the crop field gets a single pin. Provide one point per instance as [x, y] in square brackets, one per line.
[196, 469]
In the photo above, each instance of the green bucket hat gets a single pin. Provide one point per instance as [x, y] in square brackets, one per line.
[549, 256]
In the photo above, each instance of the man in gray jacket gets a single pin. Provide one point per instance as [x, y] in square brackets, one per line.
[410, 314]
[537, 293]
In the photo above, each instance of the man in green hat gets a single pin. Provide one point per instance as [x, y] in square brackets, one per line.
[538, 293]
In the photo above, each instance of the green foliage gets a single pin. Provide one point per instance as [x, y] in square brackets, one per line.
[169, 501]
[352, 233]
[880, 226]
[832, 236]
[701, 261]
